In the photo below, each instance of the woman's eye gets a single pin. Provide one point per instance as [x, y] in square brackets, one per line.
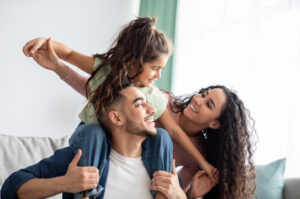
[208, 105]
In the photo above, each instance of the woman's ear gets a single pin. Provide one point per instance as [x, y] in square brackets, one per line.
[214, 124]
[116, 118]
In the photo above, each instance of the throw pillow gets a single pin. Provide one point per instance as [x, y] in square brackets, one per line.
[270, 180]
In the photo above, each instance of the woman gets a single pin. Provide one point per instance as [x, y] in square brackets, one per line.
[218, 124]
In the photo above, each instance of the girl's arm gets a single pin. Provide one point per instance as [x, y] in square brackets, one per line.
[180, 138]
[76, 81]
[84, 62]
[48, 59]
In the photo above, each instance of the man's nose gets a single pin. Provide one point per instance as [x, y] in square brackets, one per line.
[151, 109]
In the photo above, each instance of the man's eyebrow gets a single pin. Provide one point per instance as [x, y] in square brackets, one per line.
[137, 99]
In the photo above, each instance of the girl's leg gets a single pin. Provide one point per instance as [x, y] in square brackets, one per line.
[92, 140]
[158, 153]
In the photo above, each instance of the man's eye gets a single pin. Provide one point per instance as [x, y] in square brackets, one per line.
[202, 95]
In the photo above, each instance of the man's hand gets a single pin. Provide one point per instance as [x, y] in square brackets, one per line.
[78, 179]
[201, 184]
[168, 184]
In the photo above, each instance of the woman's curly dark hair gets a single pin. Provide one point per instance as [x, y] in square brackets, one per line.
[230, 148]
[137, 43]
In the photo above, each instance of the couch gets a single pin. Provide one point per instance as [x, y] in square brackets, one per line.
[20, 152]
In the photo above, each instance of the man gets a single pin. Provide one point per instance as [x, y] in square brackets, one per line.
[129, 120]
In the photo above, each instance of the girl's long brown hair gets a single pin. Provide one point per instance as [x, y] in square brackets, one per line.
[139, 42]
[230, 148]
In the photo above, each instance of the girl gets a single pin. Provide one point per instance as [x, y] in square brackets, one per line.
[139, 54]
[229, 147]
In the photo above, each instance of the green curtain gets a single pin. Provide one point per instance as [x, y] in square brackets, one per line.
[165, 11]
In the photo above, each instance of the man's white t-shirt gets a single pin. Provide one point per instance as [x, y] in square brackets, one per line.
[127, 178]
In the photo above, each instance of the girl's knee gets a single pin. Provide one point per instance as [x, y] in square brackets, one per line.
[163, 135]
[87, 134]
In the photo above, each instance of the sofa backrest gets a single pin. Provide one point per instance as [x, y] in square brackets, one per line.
[20, 152]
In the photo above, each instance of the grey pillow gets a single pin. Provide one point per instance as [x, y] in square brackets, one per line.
[20, 152]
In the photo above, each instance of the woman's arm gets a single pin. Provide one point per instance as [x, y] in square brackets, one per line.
[180, 138]
[84, 62]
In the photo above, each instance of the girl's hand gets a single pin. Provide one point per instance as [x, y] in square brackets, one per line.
[211, 171]
[167, 184]
[201, 184]
[32, 46]
[49, 60]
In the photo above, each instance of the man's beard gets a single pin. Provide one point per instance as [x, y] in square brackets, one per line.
[133, 128]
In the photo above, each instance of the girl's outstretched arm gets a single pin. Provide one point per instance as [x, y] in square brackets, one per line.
[180, 138]
[84, 62]
[49, 60]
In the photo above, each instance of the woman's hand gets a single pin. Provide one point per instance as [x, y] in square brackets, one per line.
[167, 184]
[211, 171]
[32, 46]
[201, 184]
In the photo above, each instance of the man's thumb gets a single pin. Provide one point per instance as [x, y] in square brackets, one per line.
[76, 158]
[174, 167]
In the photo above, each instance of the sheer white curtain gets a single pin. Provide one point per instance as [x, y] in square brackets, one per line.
[252, 46]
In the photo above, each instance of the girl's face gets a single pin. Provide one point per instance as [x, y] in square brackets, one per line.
[205, 108]
[151, 72]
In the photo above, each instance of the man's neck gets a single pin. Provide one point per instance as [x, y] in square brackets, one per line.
[127, 145]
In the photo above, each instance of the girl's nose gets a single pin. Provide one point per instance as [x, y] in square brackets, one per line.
[158, 74]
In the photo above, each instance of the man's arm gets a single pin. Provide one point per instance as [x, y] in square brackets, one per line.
[51, 176]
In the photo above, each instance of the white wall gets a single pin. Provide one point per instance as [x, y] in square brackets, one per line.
[254, 48]
[33, 101]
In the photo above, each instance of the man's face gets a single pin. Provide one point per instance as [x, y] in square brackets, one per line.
[139, 119]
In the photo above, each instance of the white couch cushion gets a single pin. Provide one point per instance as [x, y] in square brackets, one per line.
[20, 152]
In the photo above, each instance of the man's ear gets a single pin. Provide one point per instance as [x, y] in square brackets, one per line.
[116, 118]
[214, 124]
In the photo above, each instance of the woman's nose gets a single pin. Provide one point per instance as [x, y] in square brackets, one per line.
[198, 100]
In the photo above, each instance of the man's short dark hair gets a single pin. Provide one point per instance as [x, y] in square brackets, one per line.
[117, 100]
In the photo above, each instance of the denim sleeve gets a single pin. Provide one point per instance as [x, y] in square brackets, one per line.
[54, 166]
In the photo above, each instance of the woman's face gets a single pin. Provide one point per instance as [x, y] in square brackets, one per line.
[205, 108]
[151, 72]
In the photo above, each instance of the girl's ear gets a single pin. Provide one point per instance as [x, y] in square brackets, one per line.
[116, 118]
[214, 124]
